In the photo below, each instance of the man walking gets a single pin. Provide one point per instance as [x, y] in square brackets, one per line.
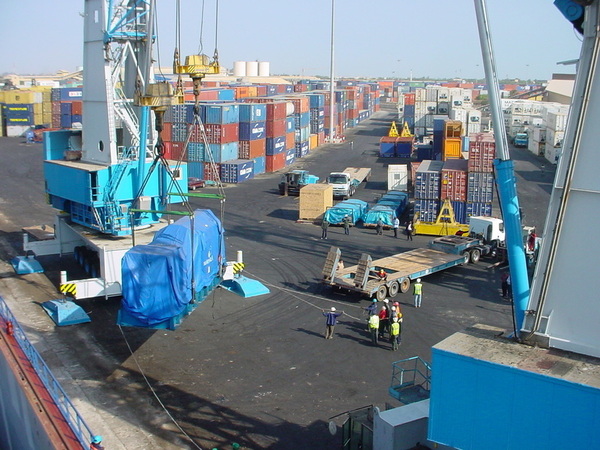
[374, 328]
[396, 225]
[409, 230]
[346, 222]
[418, 293]
[324, 226]
[330, 321]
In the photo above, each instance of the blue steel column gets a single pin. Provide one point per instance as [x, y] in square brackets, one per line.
[141, 175]
[505, 176]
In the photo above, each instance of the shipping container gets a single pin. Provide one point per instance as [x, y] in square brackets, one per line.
[212, 172]
[460, 212]
[175, 151]
[237, 171]
[217, 134]
[260, 165]
[252, 131]
[275, 162]
[69, 94]
[221, 114]
[220, 153]
[195, 152]
[290, 156]
[478, 209]
[397, 177]
[196, 169]
[253, 112]
[302, 149]
[454, 180]
[387, 147]
[290, 141]
[451, 148]
[404, 147]
[275, 145]
[275, 128]
[427, 209]
[252, 149]
[482, 151]
[427, 180]
[480, 187]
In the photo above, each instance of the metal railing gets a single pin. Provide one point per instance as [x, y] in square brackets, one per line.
[62, 401]
[410, 373]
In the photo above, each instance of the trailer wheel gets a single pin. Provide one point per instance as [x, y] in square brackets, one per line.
[381, 293]
[466, 257]
[405, 285]
[475, 254]
[393, 289]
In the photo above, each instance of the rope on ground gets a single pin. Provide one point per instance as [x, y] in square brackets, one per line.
[296, 295]
[154, 392]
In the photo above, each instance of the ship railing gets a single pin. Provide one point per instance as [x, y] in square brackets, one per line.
[61, 399]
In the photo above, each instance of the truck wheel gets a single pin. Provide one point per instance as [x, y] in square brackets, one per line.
[381, 293]
[475, 254]
[466, 257]
[393, 289]
[405, 285]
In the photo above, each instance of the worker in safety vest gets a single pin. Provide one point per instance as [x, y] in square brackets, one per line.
[395, 330]
[418, 293]
[374, 328]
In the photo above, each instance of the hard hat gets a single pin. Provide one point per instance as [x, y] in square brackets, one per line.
[96, 439]
[396, 304]
[386, 301]
[395, 319]
[418, 280]
[374, 300]
[333, 308]
[393, 308]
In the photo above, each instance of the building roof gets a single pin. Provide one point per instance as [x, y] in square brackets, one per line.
[561, 87]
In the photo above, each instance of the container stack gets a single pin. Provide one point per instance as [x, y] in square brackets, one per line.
[21, 110]
[317, 117]
[556, 124]
[67, 107]
[301, 124]
[253, 132]
[453, 186]
[480, 186]
[427, 190]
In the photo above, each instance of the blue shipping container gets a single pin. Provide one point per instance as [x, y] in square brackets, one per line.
[227, 94]
[480, 187]
[275, 145]
[290, 156]
[387, 149]
[316, 100]
[478, 209]
[237, 171]
[253, 112]
[290, 124]
[428, 209]
[196, 169]
[18, 109]
[260, 165]
[403, 149]
[221, 114]
[427, 180]
[71, 94]
[271, 90]
[302, 120]
[195, 152]
[65, 121]
[302, 149]
[76, 118]
[302, 134]
[460, 211]
[179, 132]
[252, 131]
[222, 152]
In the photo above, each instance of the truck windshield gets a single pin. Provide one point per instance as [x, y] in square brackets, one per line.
[337, 179]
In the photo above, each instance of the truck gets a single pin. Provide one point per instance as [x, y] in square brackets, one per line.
[521, 140]
[401, 268]
[291, 182]
[345, 183]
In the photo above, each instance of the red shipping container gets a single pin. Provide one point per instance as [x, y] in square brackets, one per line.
[300, 87]
[167, 131]
[220, 133]
[55, 120]
[482, 151]
[252, 149]
[454, 180]
[175, 151]
[211, 83]
[301, 104]
[275, 128]
[414, 166]
[409, 98]
[321, 138]
[281, 88]
[261, 91]
[353, 114]
[276, 110]
[77, 108]
[290, 140]
[275, 162]
[212, 171]
[209, 95]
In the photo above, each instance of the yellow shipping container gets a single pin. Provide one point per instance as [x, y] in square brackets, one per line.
[451, 148]
[2, 96]
[252, 91]
[38, 108]
[314, 201]
[47, 118]
[20, 97]
[47, 107]
[313, 141]
[38, 119]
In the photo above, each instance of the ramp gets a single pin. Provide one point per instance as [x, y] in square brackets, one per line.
[65, 312]
[245, 287]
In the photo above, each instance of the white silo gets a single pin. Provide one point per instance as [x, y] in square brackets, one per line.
[264, 69]
[239, 69]
[251, 68]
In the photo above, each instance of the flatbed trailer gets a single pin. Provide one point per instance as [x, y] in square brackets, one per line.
[358, 174]
[401, 268]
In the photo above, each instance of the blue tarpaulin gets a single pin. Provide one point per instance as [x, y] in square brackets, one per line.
[157, 277]
[385, 213]
[353, 208]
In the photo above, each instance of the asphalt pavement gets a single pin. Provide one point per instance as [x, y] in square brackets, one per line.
[255, 371]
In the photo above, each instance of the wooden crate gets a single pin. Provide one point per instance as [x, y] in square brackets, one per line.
[314, 201]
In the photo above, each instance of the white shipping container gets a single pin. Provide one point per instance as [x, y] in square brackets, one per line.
[552, 153]
[458, 114]
[398, 177]
[443, 108]
[473, 127]
[556, 120]
[420, 95]
[443, 94]
[473, 116]
[554, 138]
[431, 107]
[17, 130]
[537, 133]
[536, 147]
[431, 95]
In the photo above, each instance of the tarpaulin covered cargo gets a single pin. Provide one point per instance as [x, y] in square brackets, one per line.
[157, 277]
[385, 213]
[353, 208]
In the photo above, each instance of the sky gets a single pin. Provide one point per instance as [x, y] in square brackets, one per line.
[376, 39]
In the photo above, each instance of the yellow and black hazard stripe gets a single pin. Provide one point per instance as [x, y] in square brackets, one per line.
[69, 289]
[238, 267]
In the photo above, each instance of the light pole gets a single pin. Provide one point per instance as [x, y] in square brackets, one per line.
[331, 86]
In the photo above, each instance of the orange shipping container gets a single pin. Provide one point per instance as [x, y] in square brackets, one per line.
[275, 162]
[313, 141]
[252, 149]
[290, 140]
[76, 108]
[451, 148]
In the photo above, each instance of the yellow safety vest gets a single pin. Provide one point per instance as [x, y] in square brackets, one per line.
[374, 321]
[418, 289]
[395, 329]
